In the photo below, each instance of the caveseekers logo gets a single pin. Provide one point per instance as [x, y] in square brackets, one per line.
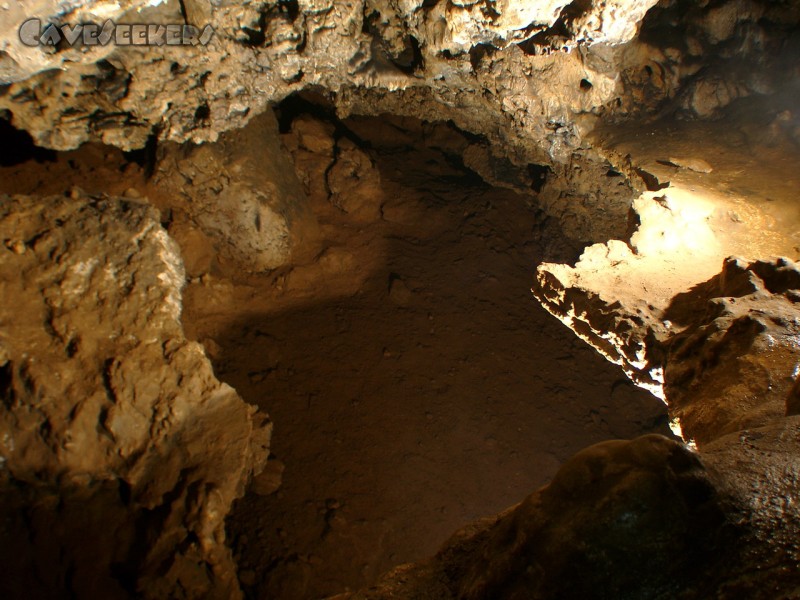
[35, 33]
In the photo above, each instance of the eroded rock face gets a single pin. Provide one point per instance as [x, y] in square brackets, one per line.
[646, 518]
[354, 182]
[262, 52]
[532, 79]
[121, 452]
[241, 193]
[757, 468]
[733, 366]
[726, 349]
[543, 70]
[478, 63]
[705, 55]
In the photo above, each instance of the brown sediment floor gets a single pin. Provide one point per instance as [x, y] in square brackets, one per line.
[414, 383]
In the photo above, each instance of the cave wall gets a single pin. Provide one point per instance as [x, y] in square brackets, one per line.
[529, 74]
[532, 79]
[121, 451]
[262, 52]
[530, 82]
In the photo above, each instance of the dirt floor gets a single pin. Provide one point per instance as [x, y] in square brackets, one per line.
[414, 383]
[417, 388]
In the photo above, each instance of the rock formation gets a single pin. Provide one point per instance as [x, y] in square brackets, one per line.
[241, 193]
[641, 519]
[120, 449]
[124, 453]
[534, 81]
[665, 521]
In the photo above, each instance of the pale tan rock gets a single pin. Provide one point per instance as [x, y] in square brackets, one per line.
[108, 408]
[198, 92]
[243, 195]
[103, 393]
[693, 164]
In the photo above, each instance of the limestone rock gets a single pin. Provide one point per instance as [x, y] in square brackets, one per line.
[646, 518]
[311, 143]
[354, 183]
[726, 349]
[618, 296]
[533, 58]
[241, 192]
[733, 367]
[532, 80]
[260, 53]
[123, 452]
[116, 440]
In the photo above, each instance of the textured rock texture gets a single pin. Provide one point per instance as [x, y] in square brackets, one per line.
[728, 352]
[533, 79]
[106, 405]
[723, 354]
[241, 194]
[734, 365]
[263, 51]
[120, 452]
[536, 68]
[646, 518]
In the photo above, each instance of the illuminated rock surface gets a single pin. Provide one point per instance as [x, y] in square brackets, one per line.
[120, 447]
[352, 198]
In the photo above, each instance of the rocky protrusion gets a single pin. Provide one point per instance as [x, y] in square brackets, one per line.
[354, 183]
[646, 518]
[120, 452]
[240, 193]
[733, 365]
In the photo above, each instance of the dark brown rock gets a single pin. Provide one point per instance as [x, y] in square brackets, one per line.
[641, 519]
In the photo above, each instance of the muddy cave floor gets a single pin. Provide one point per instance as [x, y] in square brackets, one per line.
[414, 383]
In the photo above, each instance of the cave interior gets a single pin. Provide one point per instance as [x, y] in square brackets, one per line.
[474, 299]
